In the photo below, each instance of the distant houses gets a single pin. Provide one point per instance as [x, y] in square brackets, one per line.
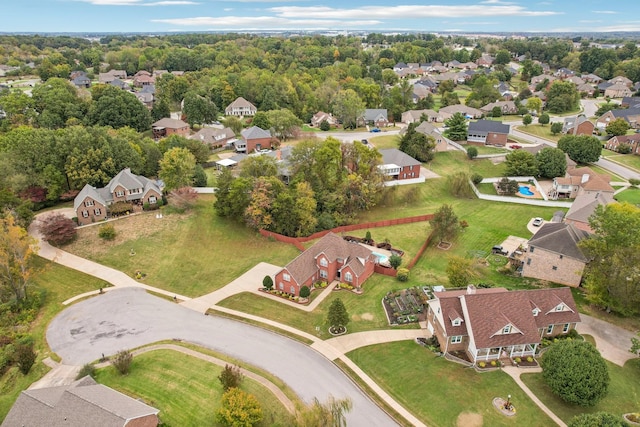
[241, 108]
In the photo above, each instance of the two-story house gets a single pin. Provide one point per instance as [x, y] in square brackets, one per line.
[553, 254]
[241, 107]
[630, 115]
[253, 139]
[330, 258]
[493, 323]
[579, 125]
[400, 167]
[92, 204]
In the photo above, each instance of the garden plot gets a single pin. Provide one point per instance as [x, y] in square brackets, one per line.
[405, 306]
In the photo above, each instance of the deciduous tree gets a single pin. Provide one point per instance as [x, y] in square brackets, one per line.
[332, 413]
[552, 162]
[176, 168]
[556, 128]
[239, 409]
[460, 271]
[231, 376]
[534, 104]
[521, 163]
[418, 145]
[562, 97]
[576, 372]
[527, 119]
[617, 127]
[612, 277]
[348, 107]
[597, 419]
[16, 259]
[445, 224]
[544, 119]
[581, 148]
[57, 229]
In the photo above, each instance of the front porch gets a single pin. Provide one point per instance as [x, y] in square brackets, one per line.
[506, 352]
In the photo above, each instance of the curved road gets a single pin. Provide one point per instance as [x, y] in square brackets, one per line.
[129, 317]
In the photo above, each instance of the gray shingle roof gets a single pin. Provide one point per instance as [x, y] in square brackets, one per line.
[585, 204]
[560, 238]
[397, 157]
[170, 123]
[488, 126]
[255, 132]
[83, 403]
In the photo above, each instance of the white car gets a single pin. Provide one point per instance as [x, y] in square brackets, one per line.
[537, 222]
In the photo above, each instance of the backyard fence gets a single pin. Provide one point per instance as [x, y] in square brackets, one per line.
[519, 200]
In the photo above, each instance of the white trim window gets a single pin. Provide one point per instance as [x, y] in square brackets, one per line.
[566, 328]
[323, 274]
[281, 286]
[456, 322]
[153, 199]
[88, 202]
[97, 211]
[456, 339]
[323, 262]
[120, 193]
[348, 277]
[549, 329]
[292, 290]
[85, 214]
[506, 329]
[286, 277]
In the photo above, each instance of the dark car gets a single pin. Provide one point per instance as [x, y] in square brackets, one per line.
[497, 249]
[365, 142]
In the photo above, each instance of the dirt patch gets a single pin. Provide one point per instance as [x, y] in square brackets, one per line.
[130, 228]
[469, 419]
[445, 246]
[366, 316]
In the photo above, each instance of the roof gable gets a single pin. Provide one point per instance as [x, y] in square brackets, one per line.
[488, 126]
[397, 157]
[560, 238]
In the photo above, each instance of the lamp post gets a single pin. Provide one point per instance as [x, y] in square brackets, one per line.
[507, 405]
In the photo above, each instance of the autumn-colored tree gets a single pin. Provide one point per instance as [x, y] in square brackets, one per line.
[183, 198]
[17, 249]
[57, 229]
[231, 376]
[177, 167]
[239, 409]
[329, 414]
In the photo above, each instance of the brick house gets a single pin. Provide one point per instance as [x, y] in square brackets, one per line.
[92, 204]
[413, 116]
[430, 130]
[321, 116]
[584, 206]
[506, 107]
[493, 323]
[375, 116]
[553, 254]
[82, 403]
[578, 181]
[632, 140]
[167, 127]
[253, 139]
[631, 115]
[214, 138]
[241, 108]
[400, 166]
[330, 258]
[488, 132]
[579, 125]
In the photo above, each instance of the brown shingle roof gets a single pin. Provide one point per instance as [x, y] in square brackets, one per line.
[560, 238]
[333, 247]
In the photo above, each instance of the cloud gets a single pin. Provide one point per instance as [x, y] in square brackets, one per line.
[496, 2]
[403, 11]
[139, 2]
[589, 21]
[606, 12]
[264, 22]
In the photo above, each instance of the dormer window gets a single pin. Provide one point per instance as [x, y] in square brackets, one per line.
[456, 322]
[323, 262]
[506, 329]
[560, 307]
[535, 312]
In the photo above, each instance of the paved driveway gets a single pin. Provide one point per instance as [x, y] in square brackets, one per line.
[129, 317]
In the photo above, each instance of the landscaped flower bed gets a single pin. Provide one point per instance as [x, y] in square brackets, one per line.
[405, 306]
[528, 361]
[286, 295]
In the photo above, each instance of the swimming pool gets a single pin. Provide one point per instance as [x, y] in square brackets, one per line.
[525, 191]
[382, 259]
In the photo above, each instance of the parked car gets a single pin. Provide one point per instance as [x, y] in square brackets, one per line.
[365, 142]
[498, 249]
[375, 130]
[515, 146]
[537, 222]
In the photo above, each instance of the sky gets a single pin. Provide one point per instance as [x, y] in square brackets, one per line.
[343, 15]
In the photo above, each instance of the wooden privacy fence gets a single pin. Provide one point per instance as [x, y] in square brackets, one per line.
[298, 241]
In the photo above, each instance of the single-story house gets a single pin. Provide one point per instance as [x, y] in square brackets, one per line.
[632, 140]
[630, 102]
[321, 116]
[214, 138]
[506, 107]
[579, 125]
[240, 107]
[426, 128]
[413, 116]
[468, 112]
[631, 115]
[80, 404]
[494, 323]
[142, 80]
[166, 127]
[584, 206]
[330, 258]
[620, 80]
[592, 78]
[146, 98]
[80, 80]
[587, 89]
[253, 139]
[375, 116]
[553, 254]
[400, 166]
[488, 132]
[92, 204]
[617, 90]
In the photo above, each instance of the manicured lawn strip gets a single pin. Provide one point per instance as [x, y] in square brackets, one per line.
[365, 310]
[540, 131]
[623, 396]
[185, 389]
[196, 255]
[630, 195]
[214, 312]
[630, 160]
[385, 141]
[60, 283]
[372, 395]
[437, 390]
[487, 188]
[603, 171]
[485, 149]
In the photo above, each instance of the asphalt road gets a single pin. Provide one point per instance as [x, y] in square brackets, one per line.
[129, 317]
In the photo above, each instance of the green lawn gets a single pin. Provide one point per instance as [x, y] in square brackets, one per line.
[59, 283]
[485, 149]
[385, 141]
[539, 130]
[438, 391]
[185, 389]
[193, 255]
[630, 160]
[623, 396]
[630, 195]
